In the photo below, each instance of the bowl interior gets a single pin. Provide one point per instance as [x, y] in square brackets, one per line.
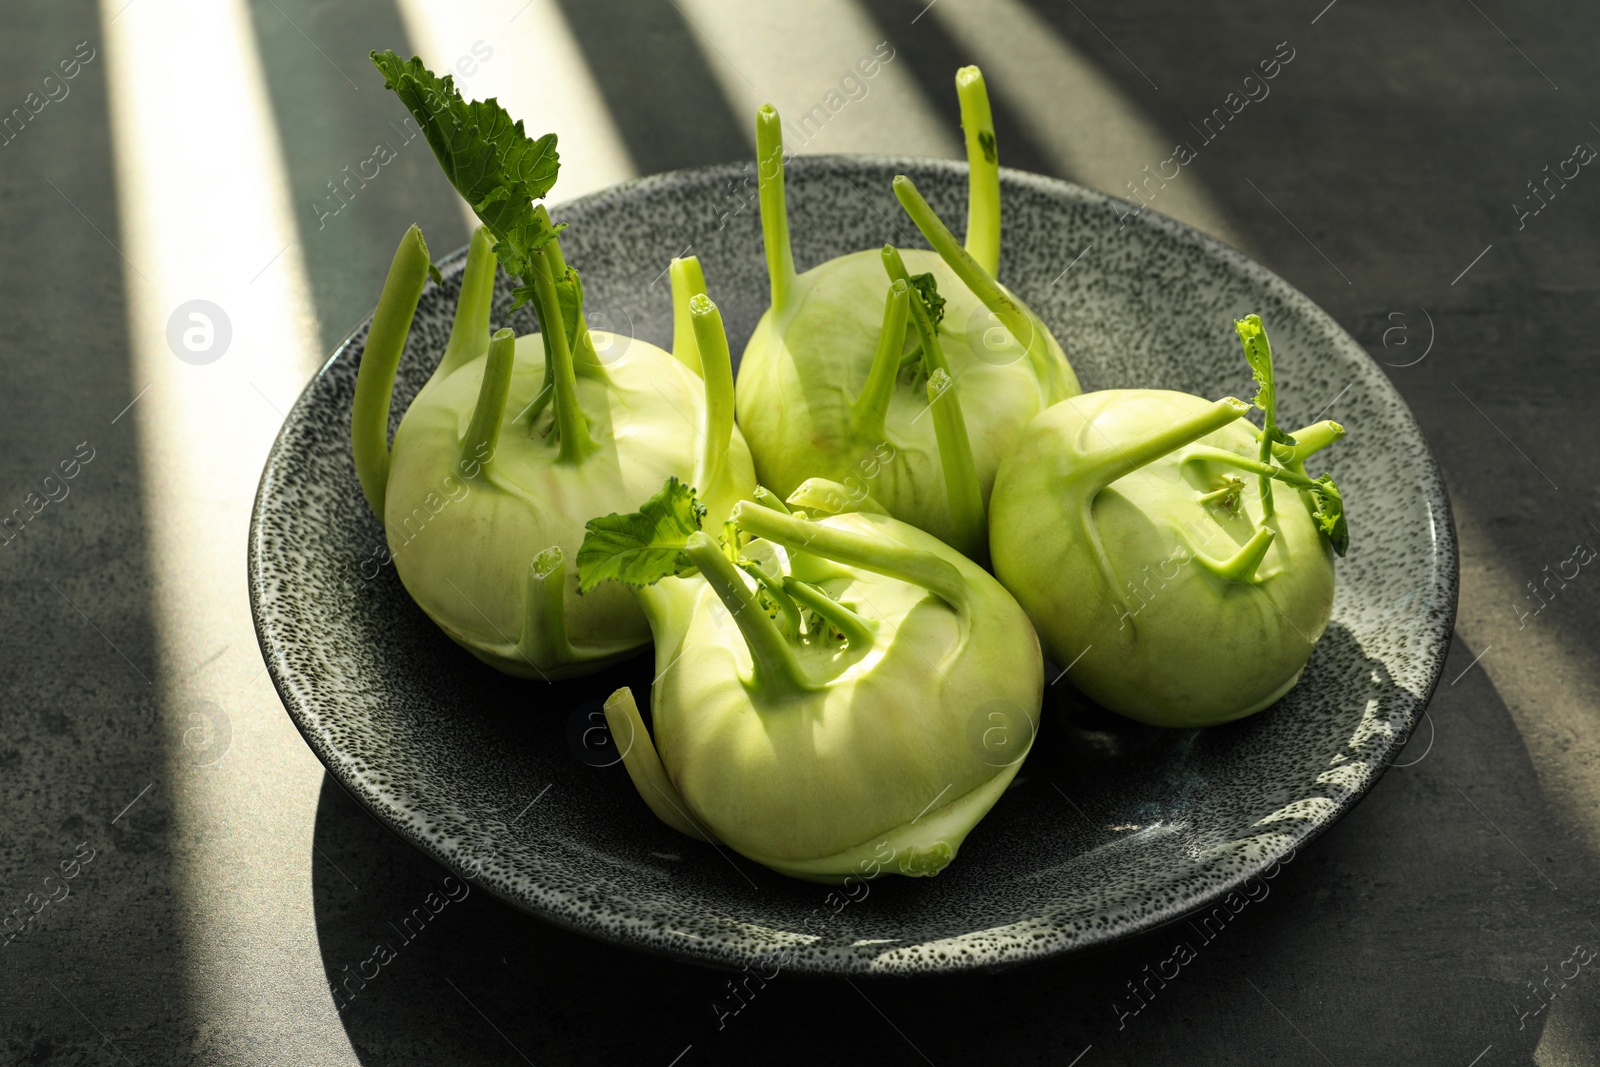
[1111, 828]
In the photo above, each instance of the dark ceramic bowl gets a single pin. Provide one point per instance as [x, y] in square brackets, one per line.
[1110, 829]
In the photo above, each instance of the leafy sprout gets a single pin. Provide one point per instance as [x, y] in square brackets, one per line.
[642, 547]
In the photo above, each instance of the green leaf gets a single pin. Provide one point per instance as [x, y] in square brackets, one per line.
[1330, 515]
[643, 547]
[491, 161]
[928, 289]
[1259, 353]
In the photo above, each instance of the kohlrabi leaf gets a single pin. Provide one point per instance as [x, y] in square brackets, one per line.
[491, 161]
[1258, 351]
[1330, 515]
[643, 547]
[928, 289]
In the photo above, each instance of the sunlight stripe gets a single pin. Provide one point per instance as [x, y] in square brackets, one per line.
[203, 198]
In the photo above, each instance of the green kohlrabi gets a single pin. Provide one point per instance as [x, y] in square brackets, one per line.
[515, 441]
[837, 694]
[918, 354]
[1177, 559]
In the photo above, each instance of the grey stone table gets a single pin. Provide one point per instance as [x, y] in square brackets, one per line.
[1414, 168]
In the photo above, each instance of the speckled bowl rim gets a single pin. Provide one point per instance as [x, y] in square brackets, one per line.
[563, 909]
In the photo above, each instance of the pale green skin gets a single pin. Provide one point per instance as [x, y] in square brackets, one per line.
[1182, 646]
[875, 771]
[798, 376]
[467, 566]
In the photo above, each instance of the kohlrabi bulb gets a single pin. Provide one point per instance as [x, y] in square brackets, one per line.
[514, 442]
[836, 696]
[840, 370]
[1141, 531]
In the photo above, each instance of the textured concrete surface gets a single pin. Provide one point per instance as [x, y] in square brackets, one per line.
[1386, 174]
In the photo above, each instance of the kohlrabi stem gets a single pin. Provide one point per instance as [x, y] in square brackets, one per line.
[968, 269]
[823, 496]
[1258, 352]
[774, 212]
[469, 333]
[558, 262]
[777, 590]
[894, 265]
[969, 528]
[913, 565]
[546, 393]
[1307, 443]
[872, 406]
[778, 671]
[540, 401]
[716, 367]
[1267, 471]
[932, 351]
[571, 425]
[544, 612]
[895, 268]
[983, 170]
[639, 756]
[1105, 465]
[1231, 489]
[1266, 479]
[1241, 566]
[857, 631]
[386, 343]
[483, 432]
[688, 282]
[585, 360]
[768, 499]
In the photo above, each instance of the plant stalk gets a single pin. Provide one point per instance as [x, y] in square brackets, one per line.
[969, 527]
[777, 590]
[774, 212]
[914, 565]
[768, 499]
[1117, 460]
[585, 359]
[571, 425]
[983, 170]
[544, 612]
[969, 270]
[716, 367]
[1253, 466]
[688, 282]
[644, 766]
[871, 408]
[386, 343]
[483, 432]
[778, 671]
[1307, 443]
[1241, 566]
[857, 631]
[469, 332]
[895, 267]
